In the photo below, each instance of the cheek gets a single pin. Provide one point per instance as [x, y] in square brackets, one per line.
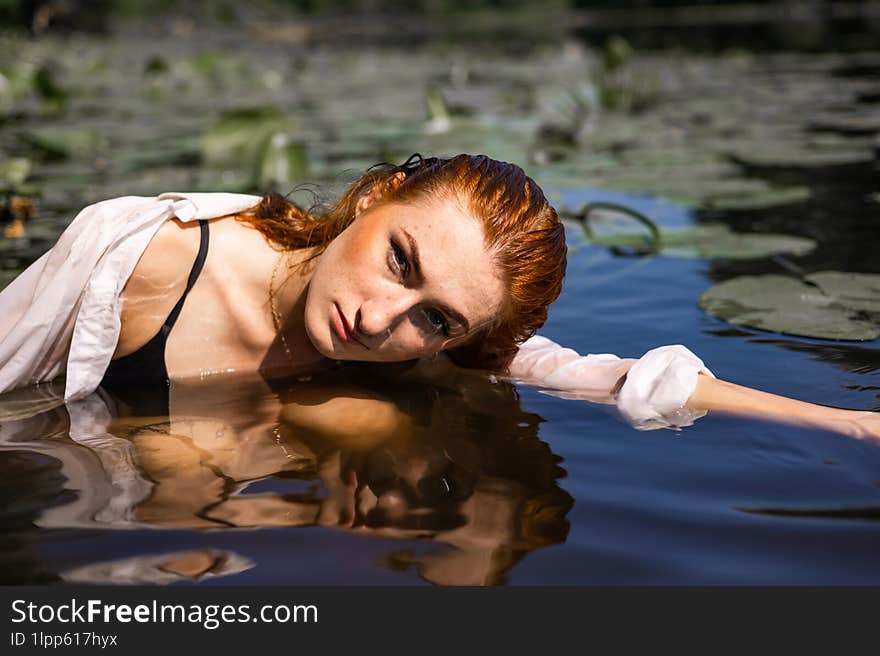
[409, 342]
[355, 261]
[335, 272]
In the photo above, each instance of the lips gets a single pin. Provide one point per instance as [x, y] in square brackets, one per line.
[343, 329]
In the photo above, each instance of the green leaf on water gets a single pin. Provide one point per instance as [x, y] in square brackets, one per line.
[284, 163]
[759, 200]
[156, 65]
[58, 143]
[616, 53]
[710, 240]
[598, 218]
[253, 148]
[55, 98]
[239, 136]
[13, 172]
[824, 305]
[717, 240]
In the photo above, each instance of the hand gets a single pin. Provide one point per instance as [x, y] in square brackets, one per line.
[713, 394]
[865, 425]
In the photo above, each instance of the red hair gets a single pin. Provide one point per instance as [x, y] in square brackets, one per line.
[521, 229]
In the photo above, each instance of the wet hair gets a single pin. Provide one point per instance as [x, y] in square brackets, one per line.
[522, 232]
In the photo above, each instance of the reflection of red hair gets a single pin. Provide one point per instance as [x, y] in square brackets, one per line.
[521, 229]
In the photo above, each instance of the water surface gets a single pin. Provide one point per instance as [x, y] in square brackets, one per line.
[370, 477]
[465, 480]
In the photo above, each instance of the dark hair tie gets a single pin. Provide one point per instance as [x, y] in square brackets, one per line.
[416, 162]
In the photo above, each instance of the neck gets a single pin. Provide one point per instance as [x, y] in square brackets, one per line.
[291, 291]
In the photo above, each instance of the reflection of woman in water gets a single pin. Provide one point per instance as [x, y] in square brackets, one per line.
[461, 256]
[458, 464]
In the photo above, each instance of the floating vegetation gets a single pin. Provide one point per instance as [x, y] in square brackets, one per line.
[760, 199]
[716, 240]
[614, 226]
[802, 159]
[250, 148]
[850, 124]
[824, 305]
[55, 98]
[204, 72]
[439, 120]
[212, 111]
[621, 86]
[13, 173]
[61, 143]
[599, 220]
[283, 163]
[238, 136]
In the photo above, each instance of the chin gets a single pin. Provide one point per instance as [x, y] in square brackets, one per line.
[324, 341]
[320, 337]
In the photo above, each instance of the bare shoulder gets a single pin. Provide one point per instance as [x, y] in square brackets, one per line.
[167, 258]
[236, 252]
[158, 280]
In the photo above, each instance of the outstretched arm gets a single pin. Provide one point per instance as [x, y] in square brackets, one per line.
[670, 386]
[716, 395]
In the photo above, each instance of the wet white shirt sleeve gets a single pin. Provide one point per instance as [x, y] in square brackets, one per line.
[653, 394]
[61, 315]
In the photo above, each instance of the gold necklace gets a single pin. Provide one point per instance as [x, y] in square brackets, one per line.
[276, 316]
[277, 433]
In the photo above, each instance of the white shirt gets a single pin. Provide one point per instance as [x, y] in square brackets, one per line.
[61, 315]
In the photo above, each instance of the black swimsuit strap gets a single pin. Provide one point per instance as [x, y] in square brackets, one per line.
[193, 275]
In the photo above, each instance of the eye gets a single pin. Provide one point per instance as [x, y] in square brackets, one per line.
[398, 259]
[453, 483]
[435, 490]
[437, 321]
[399, 263]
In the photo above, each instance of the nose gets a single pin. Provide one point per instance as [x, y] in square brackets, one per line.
[378, 316]
[393, 504]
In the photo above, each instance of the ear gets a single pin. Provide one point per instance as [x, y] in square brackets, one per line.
[368, 199]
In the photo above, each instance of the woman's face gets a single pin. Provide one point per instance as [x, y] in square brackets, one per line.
[403, 281]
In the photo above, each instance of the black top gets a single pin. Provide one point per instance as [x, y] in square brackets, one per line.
[141, 377]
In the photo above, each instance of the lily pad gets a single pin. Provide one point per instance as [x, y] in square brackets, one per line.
[59, 143]
[14, 172]
[55, 98]
[717, 240]
[711, 240]
[284, 163]
[853, 124]
[250, 148]
[239, 137]
[760, 200]
[824, 305]
[801, 159]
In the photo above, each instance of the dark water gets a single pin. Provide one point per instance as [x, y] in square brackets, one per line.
[469, 480]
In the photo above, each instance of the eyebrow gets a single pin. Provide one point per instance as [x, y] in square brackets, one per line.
[420, 276]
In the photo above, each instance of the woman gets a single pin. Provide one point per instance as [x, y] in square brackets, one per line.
[460, 255]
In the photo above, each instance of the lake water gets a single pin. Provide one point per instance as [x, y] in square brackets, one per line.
[469, 481]
[357, 477]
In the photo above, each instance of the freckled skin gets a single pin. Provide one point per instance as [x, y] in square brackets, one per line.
[387, 309]
[226, 323]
